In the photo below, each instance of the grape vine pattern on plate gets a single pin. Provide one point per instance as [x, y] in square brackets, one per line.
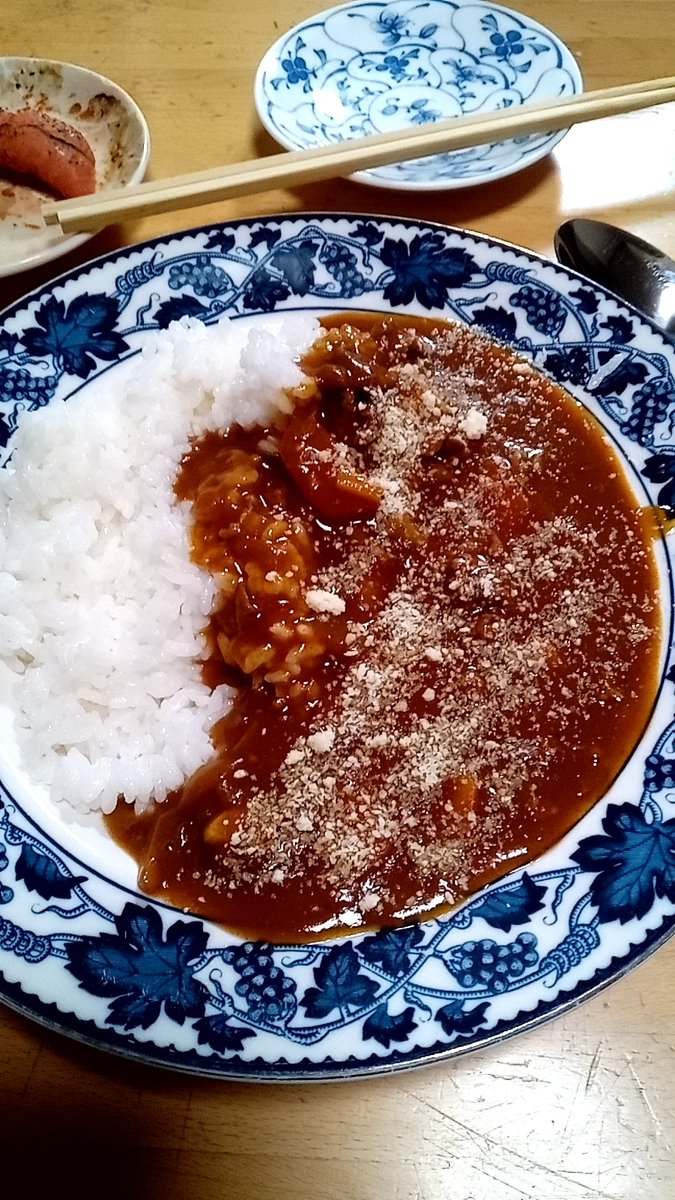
[137, 976]
[261, 271]
[149, 967]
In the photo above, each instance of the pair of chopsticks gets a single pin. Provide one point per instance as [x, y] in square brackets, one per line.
[343, 158]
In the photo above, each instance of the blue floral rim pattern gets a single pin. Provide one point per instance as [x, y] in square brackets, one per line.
[83, 952]
[374, 66]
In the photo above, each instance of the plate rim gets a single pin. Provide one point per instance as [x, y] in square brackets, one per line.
[283, 1072]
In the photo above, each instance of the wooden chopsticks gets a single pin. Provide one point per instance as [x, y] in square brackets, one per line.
[343, 158]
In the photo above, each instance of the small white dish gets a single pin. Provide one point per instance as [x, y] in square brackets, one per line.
[373, 66]
[104, 114]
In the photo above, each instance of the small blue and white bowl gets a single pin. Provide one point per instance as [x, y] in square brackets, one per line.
[373, 66]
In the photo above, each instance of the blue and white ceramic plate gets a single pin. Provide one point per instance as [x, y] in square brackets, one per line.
[374, 66]
[84, 953]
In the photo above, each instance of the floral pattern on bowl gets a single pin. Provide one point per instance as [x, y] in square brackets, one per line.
[82, 951]
[374, 66]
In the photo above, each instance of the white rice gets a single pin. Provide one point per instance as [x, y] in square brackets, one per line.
[101, 610]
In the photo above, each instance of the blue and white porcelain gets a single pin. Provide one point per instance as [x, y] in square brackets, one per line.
[374, 66]
[83, 952]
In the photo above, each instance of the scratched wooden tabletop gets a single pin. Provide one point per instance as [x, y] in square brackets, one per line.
[580, 1107]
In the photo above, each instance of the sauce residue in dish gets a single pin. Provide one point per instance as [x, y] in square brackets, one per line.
[439, 605]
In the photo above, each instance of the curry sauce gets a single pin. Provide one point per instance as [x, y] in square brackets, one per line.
[438, 610]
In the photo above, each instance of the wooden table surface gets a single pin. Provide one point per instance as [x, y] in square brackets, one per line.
[581, 1107]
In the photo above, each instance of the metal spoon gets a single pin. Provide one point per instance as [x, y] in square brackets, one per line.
[624, 263]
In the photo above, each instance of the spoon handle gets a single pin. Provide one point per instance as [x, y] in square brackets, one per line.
[624, 263]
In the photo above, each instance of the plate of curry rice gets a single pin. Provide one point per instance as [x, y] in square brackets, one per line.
[335, 628]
